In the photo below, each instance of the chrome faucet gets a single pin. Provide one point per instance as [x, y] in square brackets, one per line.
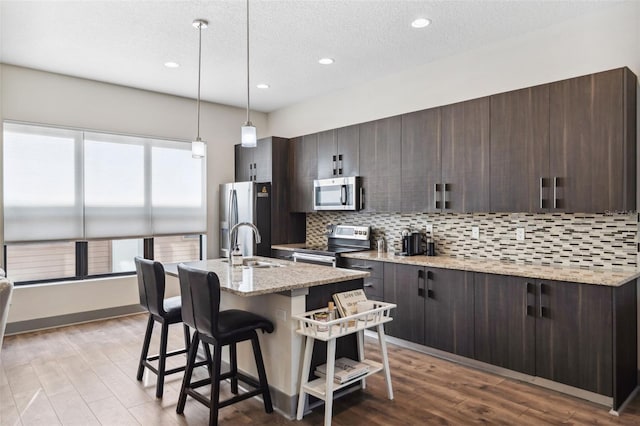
[234, 233]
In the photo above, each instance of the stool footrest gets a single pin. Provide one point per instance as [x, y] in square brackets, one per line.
[172, 353]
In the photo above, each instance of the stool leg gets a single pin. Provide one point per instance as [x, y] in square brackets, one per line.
[233, 361]
[186, 380]
[262, 374]
[207, 354]
[215, 385]
[162, 359]
[187, 337]
[145, 347]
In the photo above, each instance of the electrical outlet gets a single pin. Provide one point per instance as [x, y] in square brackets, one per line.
[429, 227]
[520, 234]
[475, 232]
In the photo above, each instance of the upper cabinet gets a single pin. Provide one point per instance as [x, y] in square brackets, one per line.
[420, 170]
[593, 143]
[254, 164]
[465, 157]
[520, 150]
[303, 161]
[380, 160]
[338, 152]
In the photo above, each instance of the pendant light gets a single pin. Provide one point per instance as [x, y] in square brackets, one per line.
[197, 146]
[249, 139]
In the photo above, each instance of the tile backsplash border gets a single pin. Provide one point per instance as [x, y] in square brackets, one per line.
[564, 239]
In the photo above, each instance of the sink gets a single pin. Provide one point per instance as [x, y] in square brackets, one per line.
[255, 263]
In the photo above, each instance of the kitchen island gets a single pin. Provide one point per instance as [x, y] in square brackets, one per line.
[276, 289]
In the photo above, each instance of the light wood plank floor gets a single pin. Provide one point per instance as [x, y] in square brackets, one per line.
[85, 375]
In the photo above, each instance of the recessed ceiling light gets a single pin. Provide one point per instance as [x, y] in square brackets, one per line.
[262, 86]
[171, 64]
[420, 23]
[325, 61]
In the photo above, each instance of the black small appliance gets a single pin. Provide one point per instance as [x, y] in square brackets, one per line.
[412, 244]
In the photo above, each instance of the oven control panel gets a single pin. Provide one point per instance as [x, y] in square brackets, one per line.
[348, 232]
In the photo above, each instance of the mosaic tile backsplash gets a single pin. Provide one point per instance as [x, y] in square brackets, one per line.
[578, 240]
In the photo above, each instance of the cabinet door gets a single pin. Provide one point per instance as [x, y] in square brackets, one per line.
[520, 150]
[262, 161]
[303, 163]
[449, 311]
[465, 156]
[421, 161]
[574, 335]
[244, 163]
[327, 154]
[348, 151]
[404, 285]
[380, 160]
[592, 161]
[505, 322]
[373, 284]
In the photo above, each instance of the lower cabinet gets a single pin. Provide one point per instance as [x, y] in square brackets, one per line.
[282, 254]
[435, 306]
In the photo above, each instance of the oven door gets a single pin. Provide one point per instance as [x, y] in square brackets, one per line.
[316, 259]
[337, 194]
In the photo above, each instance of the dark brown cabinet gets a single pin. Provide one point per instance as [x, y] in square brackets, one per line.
[374, 283]
[338, 152]
[465, 157]
[255, 164]
[303, 161]
[435, 306]
[380, 159]
[449, 310]
[520, 150]
[505, 322]
[593, 142]
[404, 285]
[421, 158]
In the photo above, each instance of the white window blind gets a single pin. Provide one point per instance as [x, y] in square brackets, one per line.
[71, 185]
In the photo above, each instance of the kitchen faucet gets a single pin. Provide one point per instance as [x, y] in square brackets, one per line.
[234, 233]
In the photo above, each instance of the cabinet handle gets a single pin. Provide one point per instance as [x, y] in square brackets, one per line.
[420, 286]
[339, 164]
[366, 268]
[541, 200]
[436, 203]
[529, 310]
[361, 198]
[430, 294]
[555, 192]
[368, 285]
[335, 166]
[541, 308]
[445, 198]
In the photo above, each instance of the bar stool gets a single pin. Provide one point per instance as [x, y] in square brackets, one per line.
[151, 286]
[200, 292]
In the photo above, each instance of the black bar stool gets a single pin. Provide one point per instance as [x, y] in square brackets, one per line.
[151, 285]
[200, 292]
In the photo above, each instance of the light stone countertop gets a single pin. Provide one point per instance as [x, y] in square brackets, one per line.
[254, 281]
[599, 276]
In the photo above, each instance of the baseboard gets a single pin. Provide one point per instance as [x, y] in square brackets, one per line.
[69, 319]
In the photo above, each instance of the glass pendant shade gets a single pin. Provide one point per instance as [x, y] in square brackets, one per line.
[197, 148]
[249, 139]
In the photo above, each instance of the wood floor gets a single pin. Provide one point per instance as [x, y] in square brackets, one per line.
[85, 375]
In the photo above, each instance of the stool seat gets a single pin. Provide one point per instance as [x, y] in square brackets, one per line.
[173, 308]
[235, 322]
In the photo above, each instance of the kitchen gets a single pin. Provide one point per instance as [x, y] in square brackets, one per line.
[577, 47]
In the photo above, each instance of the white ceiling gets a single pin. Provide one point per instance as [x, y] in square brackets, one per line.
[127, 42]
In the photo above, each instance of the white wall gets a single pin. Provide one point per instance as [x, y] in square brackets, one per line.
[592, 43]
[46, 98]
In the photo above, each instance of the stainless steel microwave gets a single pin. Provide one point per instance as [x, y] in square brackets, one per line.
[343, 193]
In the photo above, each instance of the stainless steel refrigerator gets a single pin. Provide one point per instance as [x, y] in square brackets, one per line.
[245, 202]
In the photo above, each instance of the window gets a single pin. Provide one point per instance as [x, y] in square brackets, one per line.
[103, 195]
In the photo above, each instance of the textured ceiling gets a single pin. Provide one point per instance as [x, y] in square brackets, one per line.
[127, 42]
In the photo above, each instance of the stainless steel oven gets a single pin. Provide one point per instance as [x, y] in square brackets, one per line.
[340, 239]
[343, 193]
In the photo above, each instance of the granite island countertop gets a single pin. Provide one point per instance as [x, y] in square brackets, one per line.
[599, 276]
[282, 276]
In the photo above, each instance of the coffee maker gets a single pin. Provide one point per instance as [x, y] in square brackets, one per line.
[412, 243]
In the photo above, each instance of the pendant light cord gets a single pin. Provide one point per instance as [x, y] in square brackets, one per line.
[199, 71]
[248, 100]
